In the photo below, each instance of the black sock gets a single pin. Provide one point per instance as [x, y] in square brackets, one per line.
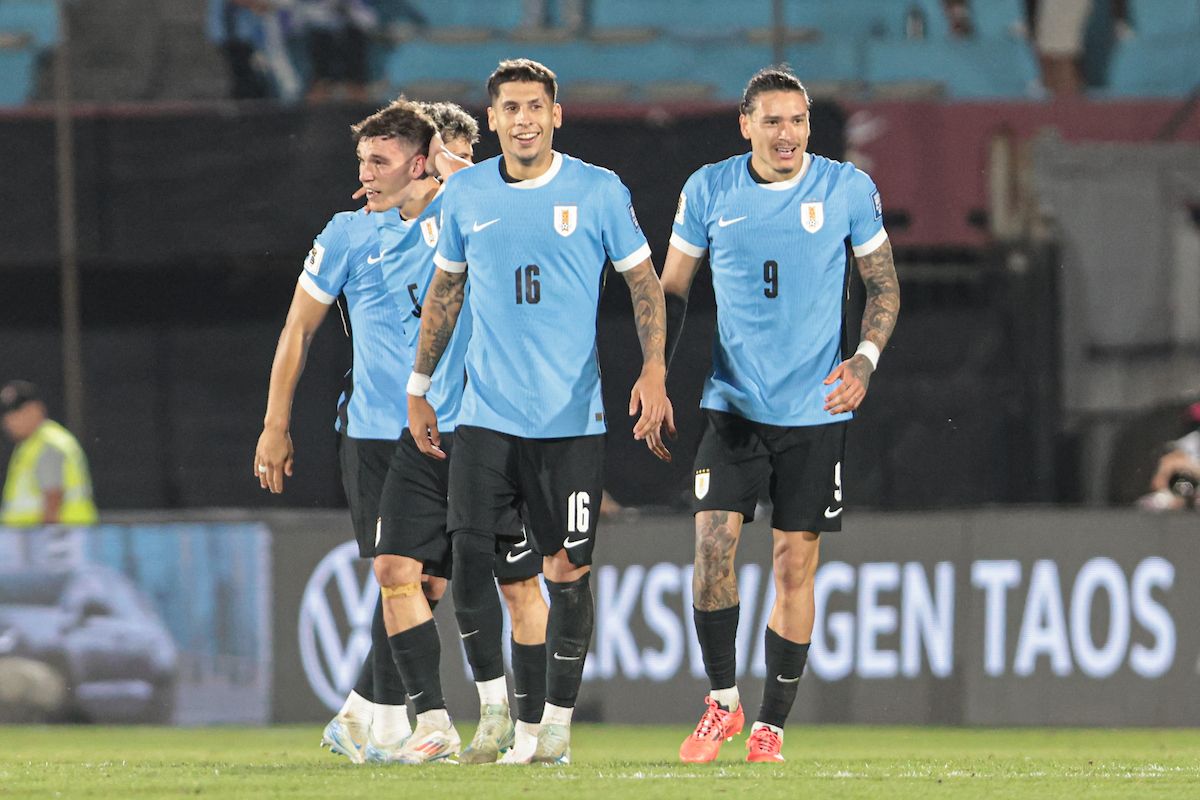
[389, 688]
[365, 687]
[529, 680]
[568, 634]
[477, 603]
[785, 665]
[717, 632]
[417, 653]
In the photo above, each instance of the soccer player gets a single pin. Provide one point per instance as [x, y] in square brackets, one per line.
[780, 226]
[412, 521]
[534, 228]
[392, 147]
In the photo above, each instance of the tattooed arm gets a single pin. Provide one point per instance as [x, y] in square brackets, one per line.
[649, 394]
[878, 271]
[439, 315]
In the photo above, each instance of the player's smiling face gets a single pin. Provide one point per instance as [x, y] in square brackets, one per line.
[778, 130]
[387, 168]
[524, 118]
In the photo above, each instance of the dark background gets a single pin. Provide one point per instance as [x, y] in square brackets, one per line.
[193, 226]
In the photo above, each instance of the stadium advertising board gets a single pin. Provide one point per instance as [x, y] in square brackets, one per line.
[1021, 618]
[164, 623]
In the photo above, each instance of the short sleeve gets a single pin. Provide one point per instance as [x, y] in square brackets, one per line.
[327, 267]
[49, 468]
[866, 214]
[688, 233]
[451, 254]
[624, 241]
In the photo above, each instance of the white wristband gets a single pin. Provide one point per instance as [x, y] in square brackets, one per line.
[418, 384]
[868, 349]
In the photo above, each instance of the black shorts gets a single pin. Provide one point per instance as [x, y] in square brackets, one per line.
[558, 481]
[801, 466]
[412, 516]
[364, 467]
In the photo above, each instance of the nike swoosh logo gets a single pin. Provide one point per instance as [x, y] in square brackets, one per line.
[782, 679]
[519, 696]
[415, 696]
[512, 559]
[377, 258]
[830, 513]
[465, 635]
[566, 658]
[477, 227]
[567, 543]
[725, 223]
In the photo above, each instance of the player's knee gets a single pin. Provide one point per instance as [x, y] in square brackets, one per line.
[474, 558]
[394, 570]
[434, 587]
[794, 568]
[558, 568]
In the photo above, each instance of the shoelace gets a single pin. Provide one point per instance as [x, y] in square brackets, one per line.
[713, 718]
[765, 740]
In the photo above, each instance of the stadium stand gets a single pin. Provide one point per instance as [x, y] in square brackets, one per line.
[27, 28]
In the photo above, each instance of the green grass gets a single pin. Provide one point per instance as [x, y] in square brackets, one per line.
[613, 762]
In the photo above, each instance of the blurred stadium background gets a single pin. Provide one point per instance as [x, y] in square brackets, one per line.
[1047, 239]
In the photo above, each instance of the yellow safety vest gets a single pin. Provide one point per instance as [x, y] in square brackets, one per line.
[23, 499]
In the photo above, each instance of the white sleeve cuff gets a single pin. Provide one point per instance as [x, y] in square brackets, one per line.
[633, 259]
[687, 248]
[447, 265]
[870, 245]
[316, 292]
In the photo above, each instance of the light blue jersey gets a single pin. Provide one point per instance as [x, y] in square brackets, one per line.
[409, 247]
[779, 266]
[346, 259]
[536, 252]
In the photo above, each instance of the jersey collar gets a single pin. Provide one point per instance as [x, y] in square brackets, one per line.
[544, 178]
[790, 183]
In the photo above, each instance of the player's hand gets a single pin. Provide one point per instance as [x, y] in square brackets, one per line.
[422, 423]
[855, 375]
[273, 458]
[649, 396]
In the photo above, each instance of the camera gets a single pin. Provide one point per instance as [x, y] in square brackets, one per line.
[1183, 484]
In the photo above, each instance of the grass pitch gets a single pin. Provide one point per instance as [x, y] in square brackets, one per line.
[610, 761]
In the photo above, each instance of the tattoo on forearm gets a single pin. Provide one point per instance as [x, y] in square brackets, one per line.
[439, 314]
[878, 271]
[714, 582]
[649, 313]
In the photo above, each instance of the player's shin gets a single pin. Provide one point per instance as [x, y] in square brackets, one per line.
[568, 633]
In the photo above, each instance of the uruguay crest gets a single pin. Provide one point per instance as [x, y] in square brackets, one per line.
[565, 219]
[429, 230]
[702, 478]
[812, 216]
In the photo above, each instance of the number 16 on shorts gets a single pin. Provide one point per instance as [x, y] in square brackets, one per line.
[579, 516]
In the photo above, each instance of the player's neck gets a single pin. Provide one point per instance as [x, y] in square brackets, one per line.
[517, 170]
[422, 195]
[762, 172]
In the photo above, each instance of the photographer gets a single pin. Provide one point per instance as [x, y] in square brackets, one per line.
[1173, 486]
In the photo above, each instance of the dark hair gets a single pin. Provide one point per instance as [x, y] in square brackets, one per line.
[778, 78]
[401, 119]
[452, 121]
[522, 69]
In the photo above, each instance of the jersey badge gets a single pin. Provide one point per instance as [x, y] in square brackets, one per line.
[633, 218]
[565, 219]
[682, 207]
[878, 203]
[812, 216]
[313, 262]
[429, 229]
[702, 478]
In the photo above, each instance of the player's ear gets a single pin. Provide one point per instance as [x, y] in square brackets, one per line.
[491, 118]
[418, 166]
[557, 115]
[744, 122]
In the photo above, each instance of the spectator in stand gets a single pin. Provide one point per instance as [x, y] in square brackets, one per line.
[337, 34]
[253, 36]
[571, 16]
[1060, 33]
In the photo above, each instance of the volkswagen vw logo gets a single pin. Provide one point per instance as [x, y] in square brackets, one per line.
[335, 623]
